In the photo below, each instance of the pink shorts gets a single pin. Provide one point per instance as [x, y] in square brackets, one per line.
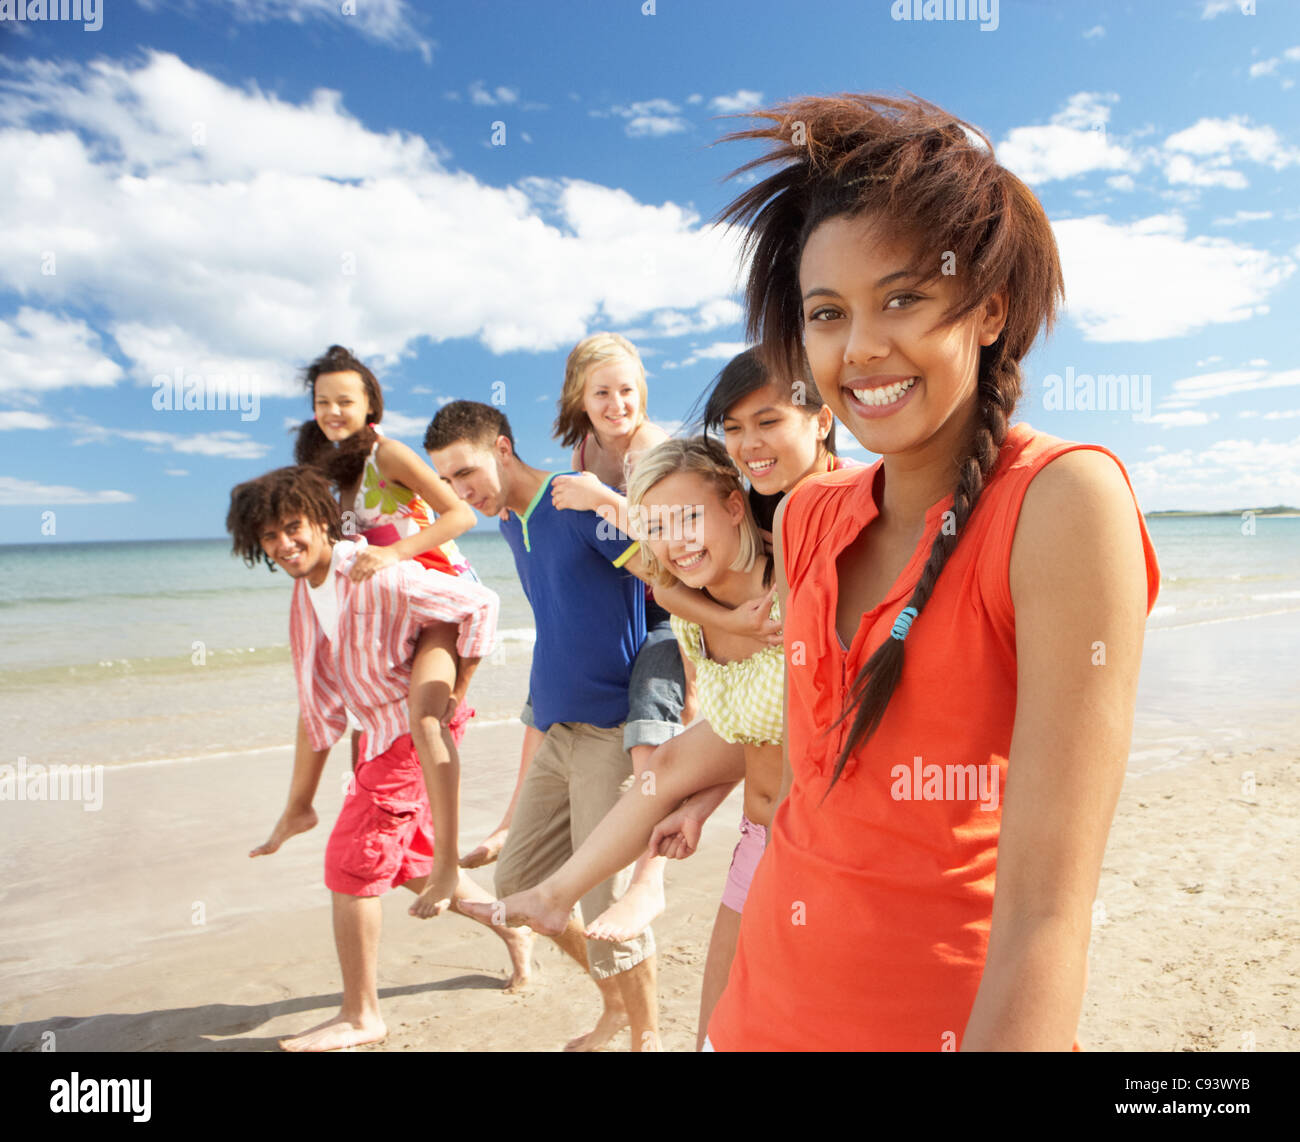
[384, 834]
[753, 840]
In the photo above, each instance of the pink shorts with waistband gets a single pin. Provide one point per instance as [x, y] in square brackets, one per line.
[753, 840]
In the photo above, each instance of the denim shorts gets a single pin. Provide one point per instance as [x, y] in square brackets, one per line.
[655, 694]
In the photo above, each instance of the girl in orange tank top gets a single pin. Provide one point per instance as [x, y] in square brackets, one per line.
[964, 619]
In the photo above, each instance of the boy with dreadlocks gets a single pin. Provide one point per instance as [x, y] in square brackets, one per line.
[352, 645]
[964, 618]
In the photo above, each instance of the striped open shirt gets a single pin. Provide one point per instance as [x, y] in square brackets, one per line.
[368, 668]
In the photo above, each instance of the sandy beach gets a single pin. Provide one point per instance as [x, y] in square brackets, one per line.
[144, 926]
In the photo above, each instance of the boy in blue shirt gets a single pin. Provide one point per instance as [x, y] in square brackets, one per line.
[590, 615]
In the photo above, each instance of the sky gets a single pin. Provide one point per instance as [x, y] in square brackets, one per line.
[460, 192]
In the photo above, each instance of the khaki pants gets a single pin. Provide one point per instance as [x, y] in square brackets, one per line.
[577, 775]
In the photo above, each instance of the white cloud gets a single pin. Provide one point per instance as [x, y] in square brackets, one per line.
[292, 227]
[1241, 216]
[736, 102]
[408, 427]
[1282, 414]
[480, 96]
[28, 493]
[228, 444]
[386, 22]
[1264, 67]
[1095, 32]
[651, 118]
[1073, 143]
[175, 472]
[1227, 474]
[1221, 141]
[43, 351]
[1181, 419]
[22, 420]
[718, 351]
[1146, 280]
[1212, 8]
[1229, 382]
[674, 323]
[1121, 182]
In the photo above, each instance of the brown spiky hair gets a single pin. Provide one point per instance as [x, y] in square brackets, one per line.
[932, 179]
[274, 498]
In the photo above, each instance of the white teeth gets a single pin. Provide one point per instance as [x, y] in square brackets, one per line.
[760, 466]
[688, 563]
[886, 395]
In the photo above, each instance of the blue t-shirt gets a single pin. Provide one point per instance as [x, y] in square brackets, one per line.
[590, 613]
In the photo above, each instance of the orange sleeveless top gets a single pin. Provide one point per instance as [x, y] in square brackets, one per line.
[867, 922]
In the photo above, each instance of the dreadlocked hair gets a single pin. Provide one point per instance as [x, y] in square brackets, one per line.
[344, 462]
[274, 498]
[932, 177]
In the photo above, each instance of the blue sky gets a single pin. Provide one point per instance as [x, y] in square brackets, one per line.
[224, 188]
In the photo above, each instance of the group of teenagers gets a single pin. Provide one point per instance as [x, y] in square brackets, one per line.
[744, 605]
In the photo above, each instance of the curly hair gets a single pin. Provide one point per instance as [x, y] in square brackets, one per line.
[273, 498]
[932, 178]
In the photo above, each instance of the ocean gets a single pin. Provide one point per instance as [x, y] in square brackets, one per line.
[138, 649]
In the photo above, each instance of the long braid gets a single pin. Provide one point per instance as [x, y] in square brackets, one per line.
[997, 393]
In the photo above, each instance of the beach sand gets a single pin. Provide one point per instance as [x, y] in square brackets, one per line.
[145, 926]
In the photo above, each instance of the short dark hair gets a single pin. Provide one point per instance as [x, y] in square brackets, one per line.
[277, 496]
[470, 420]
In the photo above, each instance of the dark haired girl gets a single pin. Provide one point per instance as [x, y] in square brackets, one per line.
[963, 619]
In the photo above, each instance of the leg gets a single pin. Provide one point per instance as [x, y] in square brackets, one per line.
[644, 899]
[357, 920]
[518, 941]
[684, 765]
[722, 950]
[433, 674]
[490, 849]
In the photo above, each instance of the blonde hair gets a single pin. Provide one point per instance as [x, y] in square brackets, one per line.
[698, 456]
[573, 423]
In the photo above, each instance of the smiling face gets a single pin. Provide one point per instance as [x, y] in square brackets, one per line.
[881, 362]
[691, 529]
[772, 442]
[340, 404]
[611, 397]
[475, 472]
[298, 547]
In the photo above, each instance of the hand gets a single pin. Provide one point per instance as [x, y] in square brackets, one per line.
[582, 493]
[453, 702]
[677, 835]
[439, 888]
[485, 853]
[291, 823]
[370, 560]
[750, 620]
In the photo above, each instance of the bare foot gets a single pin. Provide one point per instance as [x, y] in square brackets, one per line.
[519, 943]
[630, 915]
[612, 1020]
[487, 852]
[439, 887]
[532, 907]
[337, 1034]
[291, 823]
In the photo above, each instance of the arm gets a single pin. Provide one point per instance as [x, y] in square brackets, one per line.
[783, 598]
[399, 464]
[464, 672]
[678, 834]
[1078, 583]
[298, 815]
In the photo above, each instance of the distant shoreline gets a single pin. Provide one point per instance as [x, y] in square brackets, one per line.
[1259, 513]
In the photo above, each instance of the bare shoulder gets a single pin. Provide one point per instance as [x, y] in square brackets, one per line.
[1078, 510]
[648, 436]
